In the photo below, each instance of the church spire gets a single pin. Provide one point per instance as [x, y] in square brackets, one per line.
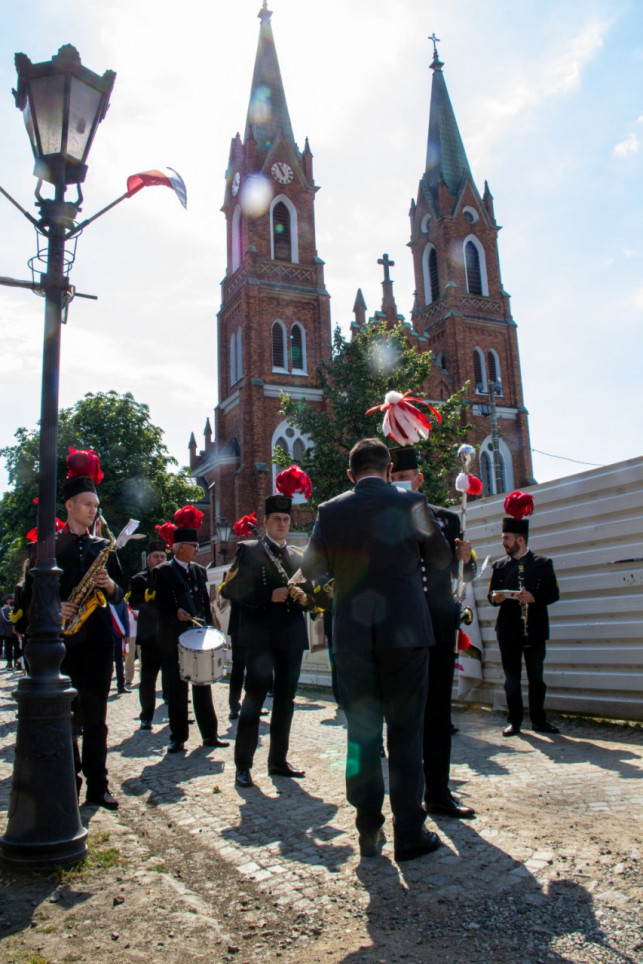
[446, 158]
[267, 110]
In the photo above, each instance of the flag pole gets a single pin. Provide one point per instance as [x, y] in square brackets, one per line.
[83, 224]
[20, 208]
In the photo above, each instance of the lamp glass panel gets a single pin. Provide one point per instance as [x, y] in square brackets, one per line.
[47, 104]
[84, 105]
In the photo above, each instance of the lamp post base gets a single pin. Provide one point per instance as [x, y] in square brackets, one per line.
[44, 828]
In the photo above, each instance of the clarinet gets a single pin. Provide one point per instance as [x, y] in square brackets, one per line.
[524, 607]
[288, 580]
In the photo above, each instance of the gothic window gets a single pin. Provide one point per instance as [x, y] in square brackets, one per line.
[488, 472]
[298, 348]
[475, 267]
[281, 233]
[239, 355]
[493, 369]
[278, 347]
[236, 239]
[294, 443]
[298, 449]
[485, 473]
[440, 361]
[472, 261]
[233, 360]
[430, 271]
[479, 373]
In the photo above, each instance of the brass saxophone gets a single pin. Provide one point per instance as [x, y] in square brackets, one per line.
[86, 595]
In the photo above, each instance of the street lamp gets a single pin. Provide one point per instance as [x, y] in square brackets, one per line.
[62, 104]
[224, 531]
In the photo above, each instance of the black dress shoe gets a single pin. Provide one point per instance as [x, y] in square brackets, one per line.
[146, 725]
[123, 689]
[511, 730]
[233, 714]
[243, 778]
[450, 807]
[214, 741]
[264, 713]
[370, 844]
[284, 770]
[546, 728]
[425, 843]
[175, 746]
[104, 799]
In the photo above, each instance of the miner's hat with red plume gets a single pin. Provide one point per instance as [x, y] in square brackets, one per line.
[518, 505]
[188, 521]
[288, 483]
[84, 472]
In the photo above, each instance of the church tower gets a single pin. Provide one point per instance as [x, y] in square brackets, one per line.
[461, 308]
[273, 326]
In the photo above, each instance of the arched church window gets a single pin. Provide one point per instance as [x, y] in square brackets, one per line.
[294, 443]
[298, 449]
[278, 347]
[236, 239]
[485, 473]
[493, 369]
[479, 373]
[495, 480]
[281, 232]
[233, 360]
[472, 264]
[298, 348]
[433, 275]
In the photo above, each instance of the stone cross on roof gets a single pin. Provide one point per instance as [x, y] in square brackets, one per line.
[385, 260]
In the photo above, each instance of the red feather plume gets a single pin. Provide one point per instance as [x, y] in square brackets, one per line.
[84, 462]
[245, 526]
[475, 486]
[166, 532]
[294, 480]
[519, 504]
[188, 517]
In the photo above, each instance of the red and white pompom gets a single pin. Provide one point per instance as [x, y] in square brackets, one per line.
[294, 480]
[245, 526]
[519, 504]
[470, 484]
[403, 422]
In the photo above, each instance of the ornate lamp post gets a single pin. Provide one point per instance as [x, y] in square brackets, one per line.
[63, 104]
[224, 531]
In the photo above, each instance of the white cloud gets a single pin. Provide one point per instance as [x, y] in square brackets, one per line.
[630, 145]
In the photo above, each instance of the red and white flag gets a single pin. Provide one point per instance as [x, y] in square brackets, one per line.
[166, 176]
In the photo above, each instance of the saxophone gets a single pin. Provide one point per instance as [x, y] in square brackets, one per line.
[86, 595]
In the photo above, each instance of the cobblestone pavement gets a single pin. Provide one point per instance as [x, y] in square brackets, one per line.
[551, 810]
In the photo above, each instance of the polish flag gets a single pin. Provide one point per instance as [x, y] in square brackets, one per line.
[167, 176]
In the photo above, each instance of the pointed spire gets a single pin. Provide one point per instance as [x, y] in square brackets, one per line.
[359, 309]
[388, 301]
[445, 155]
[267, 110]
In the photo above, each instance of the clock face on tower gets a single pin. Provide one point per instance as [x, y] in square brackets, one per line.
[282, 172]
[236, 182]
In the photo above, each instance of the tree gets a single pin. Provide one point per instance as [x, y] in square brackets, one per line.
[360, 372]
[138, 480]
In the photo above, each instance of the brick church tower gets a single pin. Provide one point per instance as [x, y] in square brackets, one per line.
[274, 321]
[461, 312]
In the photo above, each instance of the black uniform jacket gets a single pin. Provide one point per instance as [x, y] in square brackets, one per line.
[74, 555]
[371, 540]
[264, 624]
[438, 583]
[173, 591]
[147, 623]
[540, 581]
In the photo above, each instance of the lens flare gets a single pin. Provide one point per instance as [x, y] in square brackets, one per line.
[384, 357]
[260, 109]
[255, 195]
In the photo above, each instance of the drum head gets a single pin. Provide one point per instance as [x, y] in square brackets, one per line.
[202, 638]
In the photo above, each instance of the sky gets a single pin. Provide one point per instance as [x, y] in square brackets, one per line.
[548, 96]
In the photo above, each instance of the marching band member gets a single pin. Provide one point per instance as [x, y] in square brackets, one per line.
[180, 593]
[523, 585]
[147, 629]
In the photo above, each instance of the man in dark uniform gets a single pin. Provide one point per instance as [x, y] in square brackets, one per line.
[272, 630]
[181, 595]
[140, 588]
[523, 585]
[371, 540]
[89, 653]
[444, 610]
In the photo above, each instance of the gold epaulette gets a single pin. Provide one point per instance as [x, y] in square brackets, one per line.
[128, 596]
[14, 617]
[150, 595]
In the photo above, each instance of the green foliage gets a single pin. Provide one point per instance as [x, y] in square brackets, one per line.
[138, 479]
[356, 378]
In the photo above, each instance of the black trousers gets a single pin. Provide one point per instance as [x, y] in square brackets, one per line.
[119, 665]
[389, 686]
[237, 672]
[89, 667]
[265, 668]
[151, 663]
[12, 648]
[511, 653]
[437, 721]
[177, 702]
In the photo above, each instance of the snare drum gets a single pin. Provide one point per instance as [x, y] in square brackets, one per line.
[201, 655]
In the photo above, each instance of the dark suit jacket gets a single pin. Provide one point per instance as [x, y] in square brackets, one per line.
[371, 540]
[264, 624]
[172, 592]
[148, 614]
[438, 583]
[540, 581]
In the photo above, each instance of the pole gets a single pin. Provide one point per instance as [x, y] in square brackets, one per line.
[44, 828]
[495, 439]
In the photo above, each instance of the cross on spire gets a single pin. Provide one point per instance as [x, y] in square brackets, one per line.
[386, 261]
[435, 41]
[264, 13]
